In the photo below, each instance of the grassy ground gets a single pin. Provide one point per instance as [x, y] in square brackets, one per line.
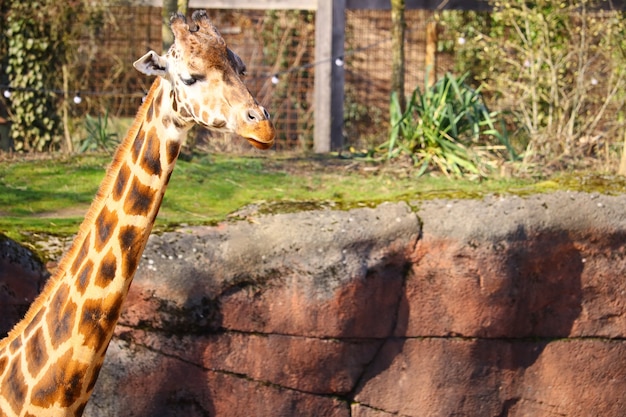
[51, 195]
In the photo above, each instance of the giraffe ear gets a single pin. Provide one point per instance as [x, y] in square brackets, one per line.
[151, 64]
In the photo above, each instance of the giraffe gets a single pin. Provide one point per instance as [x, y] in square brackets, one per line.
[50, 361]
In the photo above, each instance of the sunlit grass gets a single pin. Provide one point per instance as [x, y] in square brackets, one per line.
[51, 196]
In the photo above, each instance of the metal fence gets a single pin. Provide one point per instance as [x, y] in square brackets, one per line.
[278, 48]
[368, 70]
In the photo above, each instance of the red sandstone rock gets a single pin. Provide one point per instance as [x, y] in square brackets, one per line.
[474, 320]
[516, 289]
[506, 307]
[163, 385]
[359, 410]
[22, 276]
[452, 376]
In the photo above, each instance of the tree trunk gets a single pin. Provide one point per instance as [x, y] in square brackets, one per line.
[431, 52]
[398, 25]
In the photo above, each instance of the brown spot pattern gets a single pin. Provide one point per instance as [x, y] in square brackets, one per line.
[34, 322]
[184, 112]
[120, 182]
[15, 344]
[151, 161]
[108, 268]
[60, 316]
[174, 102]
[95, 371]
[158, 100]
[139, 199]
[105, 225]
[82, 254]
[61, 384]
[3, 362]
[83, 277]
[138, 144]
[167, 180]
[131, 244]
[97, 320]
[81, 408]
[173, 148]
[150, 112]
[36, 352]
[14, 385]
[179, 123]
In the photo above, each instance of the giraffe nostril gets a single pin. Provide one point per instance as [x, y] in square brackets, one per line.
[255, 116]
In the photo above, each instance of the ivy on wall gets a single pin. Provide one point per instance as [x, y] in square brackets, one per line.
[33, 57]
[37, 34]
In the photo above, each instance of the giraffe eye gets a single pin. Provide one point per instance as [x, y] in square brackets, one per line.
[188, 81]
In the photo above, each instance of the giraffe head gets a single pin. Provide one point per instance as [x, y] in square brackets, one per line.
[206, 82]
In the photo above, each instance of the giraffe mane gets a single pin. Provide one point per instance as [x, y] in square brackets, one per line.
[105, 189]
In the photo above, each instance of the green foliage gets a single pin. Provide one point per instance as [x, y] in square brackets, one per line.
[36, 126]
[37, 34]
[98, 135]
[447, 127]
[557, 68]
[4, 9]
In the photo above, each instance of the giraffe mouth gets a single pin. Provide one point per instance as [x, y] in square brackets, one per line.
[260, 145]
[260, 135]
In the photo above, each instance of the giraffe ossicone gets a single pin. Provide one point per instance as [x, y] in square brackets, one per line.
[49, 362]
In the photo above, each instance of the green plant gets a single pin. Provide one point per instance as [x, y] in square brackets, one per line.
[37, 35]
[556, 67]
[30, 63]
[448, 127]
[98, 135]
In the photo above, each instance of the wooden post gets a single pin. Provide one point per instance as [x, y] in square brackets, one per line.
[622, 163]
[431, 52]
[398, 25]
[69, 146]
[329, 77]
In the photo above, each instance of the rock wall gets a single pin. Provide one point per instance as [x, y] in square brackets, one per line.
[515, 307]
[22, 277]
[506, 306]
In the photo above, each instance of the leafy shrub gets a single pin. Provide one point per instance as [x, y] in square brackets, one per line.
[37, 35]
[36, 125]
[98, 135]
[555, 66]
[447, 127]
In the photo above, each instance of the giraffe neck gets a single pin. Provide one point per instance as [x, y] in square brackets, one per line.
[67, 330]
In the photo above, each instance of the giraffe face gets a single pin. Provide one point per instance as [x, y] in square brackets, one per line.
[206, 81]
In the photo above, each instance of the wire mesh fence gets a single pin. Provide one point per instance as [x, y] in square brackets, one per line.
[278, 48]
[368, 70]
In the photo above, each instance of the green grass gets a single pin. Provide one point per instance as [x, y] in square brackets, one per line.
[51, 196]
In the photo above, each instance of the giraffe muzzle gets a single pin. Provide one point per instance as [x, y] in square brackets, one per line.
[260, 134]
[258, 128]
